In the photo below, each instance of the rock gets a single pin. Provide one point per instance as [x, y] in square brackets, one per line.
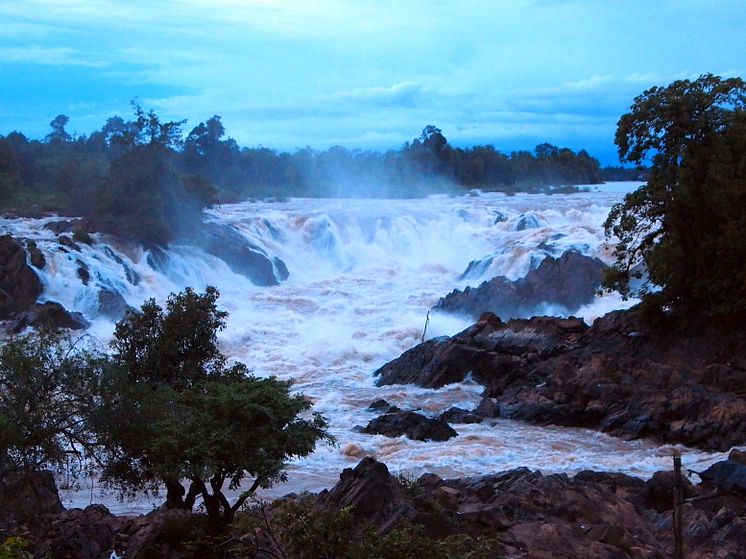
[459, 415]
[64, 226]
[50, 315]
[367, 490]
[20, 286]
[66, 241]
[677, 384]
[382, 406]
[737, 455]
[411, 424]
[240, 254]
[83, 534]
[727, 475]
[83, 273]
[568, 282]
[111, 304]
[37, 257]
[527, 221]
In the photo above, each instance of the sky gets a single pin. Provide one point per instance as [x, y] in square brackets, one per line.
[364, 74]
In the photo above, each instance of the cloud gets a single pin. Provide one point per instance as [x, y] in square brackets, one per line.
[403, 94]
[58, 56]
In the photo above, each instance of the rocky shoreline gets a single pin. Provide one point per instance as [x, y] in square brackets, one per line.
[671, 383]
[518, 513]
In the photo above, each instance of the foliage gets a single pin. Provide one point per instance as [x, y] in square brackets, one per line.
[14, 548]
[173, 410]
[47, 387]
[686, 225]
[306, 532]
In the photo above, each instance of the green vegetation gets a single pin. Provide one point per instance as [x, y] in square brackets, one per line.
[15, 548]
[165, 408]
[686, 226]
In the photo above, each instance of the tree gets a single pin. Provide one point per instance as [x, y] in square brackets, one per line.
[58, 133]
[173, 412]
[686, 225]
[47, 388]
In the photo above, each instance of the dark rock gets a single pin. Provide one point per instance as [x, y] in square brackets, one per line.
[66, 241]
[383, 406]
[367, 490]
[527, 221]
[738, 456]
[111, 304]
[47, 315]
[83, 534]
[83, 273]
[411, 424]
[569, 282]
[459, 415]
[27, 496]
[727, 475]
[20, 286]
[64, 226]
[675, 383]
[240, 254]
[37, 257]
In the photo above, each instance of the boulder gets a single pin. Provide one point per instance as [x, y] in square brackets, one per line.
[64, 226]
[568, 282]
[727, 475]
[412, 425]
[50, 315]
[20, 286]
[111, 304]
[459, 415]
[240, 254]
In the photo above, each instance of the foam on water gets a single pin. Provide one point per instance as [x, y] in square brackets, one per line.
[363, 274]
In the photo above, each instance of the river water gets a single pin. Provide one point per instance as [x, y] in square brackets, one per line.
[363, 274]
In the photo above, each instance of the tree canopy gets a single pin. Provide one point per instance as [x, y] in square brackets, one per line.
[172, 411]
[684, 231]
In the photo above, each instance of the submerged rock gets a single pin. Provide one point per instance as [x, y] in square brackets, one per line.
[569, 282]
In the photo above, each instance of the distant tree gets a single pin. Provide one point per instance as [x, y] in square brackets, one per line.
[173, 412]
[686, 225]
[58, 133]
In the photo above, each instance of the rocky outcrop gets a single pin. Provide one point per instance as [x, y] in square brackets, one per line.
[46, 315]
[241, 256]
[20, 286]
[523, 513]
[412, 425]
[569, 282]
[111, 304]
[683, 384]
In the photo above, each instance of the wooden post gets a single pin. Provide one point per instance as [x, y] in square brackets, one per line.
[424, 331]
[678, 503]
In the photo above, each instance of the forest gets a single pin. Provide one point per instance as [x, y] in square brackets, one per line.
[150, 179]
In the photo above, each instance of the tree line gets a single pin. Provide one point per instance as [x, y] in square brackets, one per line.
[146, 178]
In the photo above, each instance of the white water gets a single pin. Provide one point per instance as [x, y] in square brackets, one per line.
[363, 274]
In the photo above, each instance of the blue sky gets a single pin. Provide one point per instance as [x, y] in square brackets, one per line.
[363, 74]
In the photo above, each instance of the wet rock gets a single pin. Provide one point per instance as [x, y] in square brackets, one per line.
[459, 415]
[36, 255]
[20, 286]
[412, 425]
[46, 315]
[527, 221]
[67, 242]
[568, 282]
[382, 406]
[111, 304]
[240, 254]
[83, 273]
[64, 226]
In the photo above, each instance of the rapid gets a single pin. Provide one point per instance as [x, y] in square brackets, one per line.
[363, 275]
